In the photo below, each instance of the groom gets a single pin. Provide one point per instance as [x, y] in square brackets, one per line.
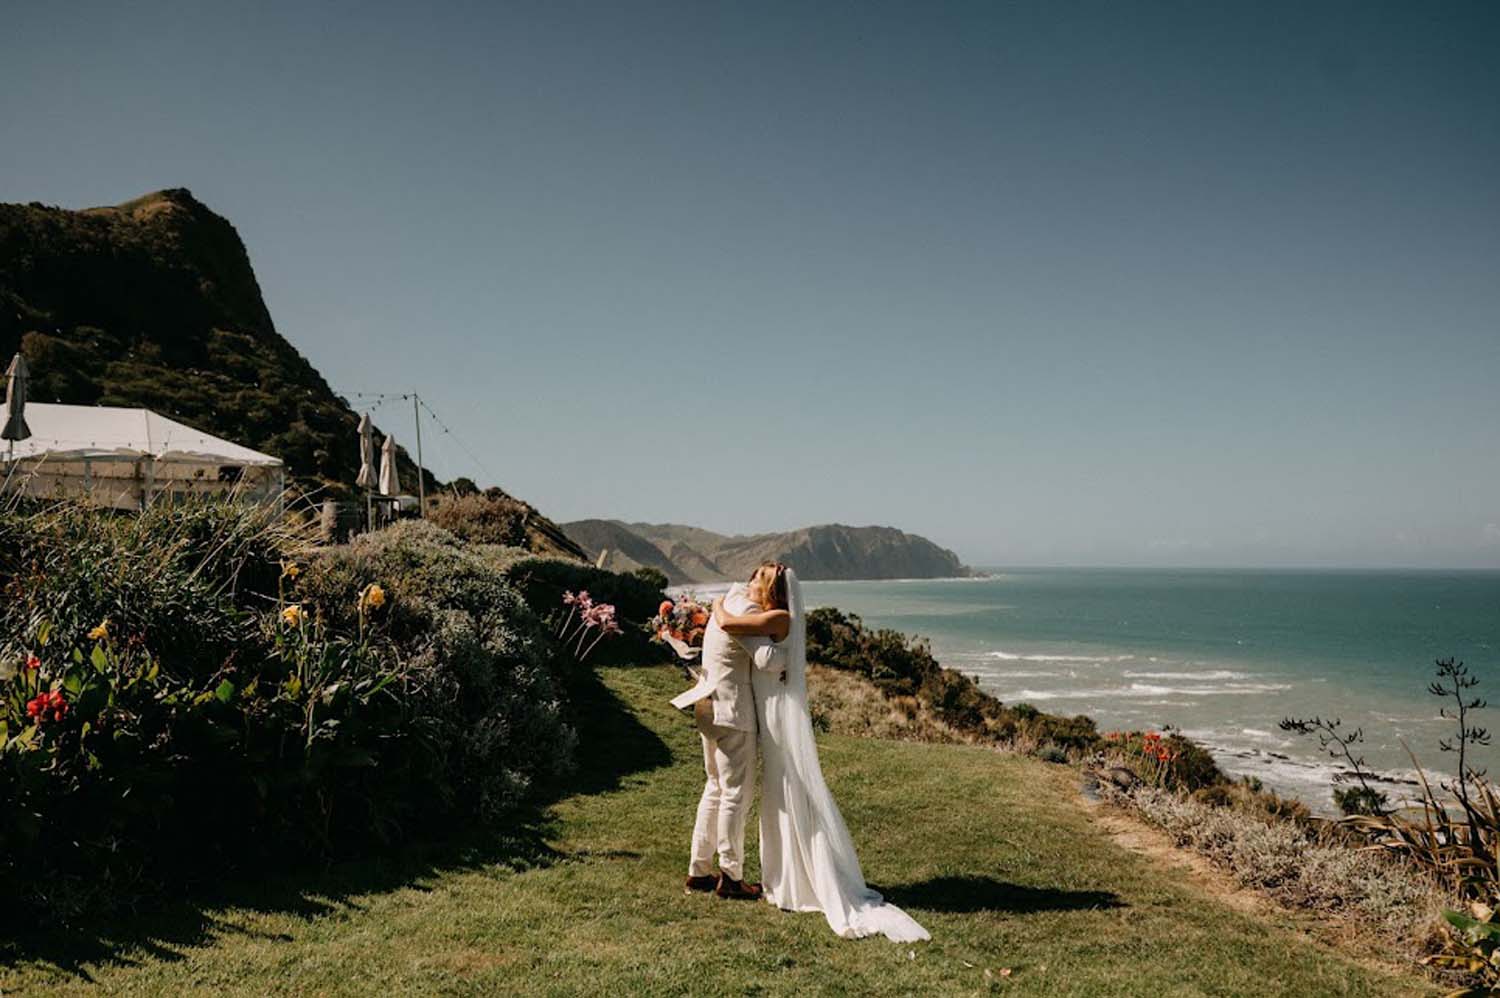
[724, 710]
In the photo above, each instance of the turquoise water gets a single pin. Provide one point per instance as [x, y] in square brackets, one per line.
[1223, 655]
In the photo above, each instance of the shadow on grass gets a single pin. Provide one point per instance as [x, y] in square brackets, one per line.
[613, 744]
[974, 894]
[189, 917]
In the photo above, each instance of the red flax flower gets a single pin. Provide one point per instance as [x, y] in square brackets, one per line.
[48, 706]
[32, 662]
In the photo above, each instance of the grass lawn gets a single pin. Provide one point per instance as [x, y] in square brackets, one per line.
[995, 854]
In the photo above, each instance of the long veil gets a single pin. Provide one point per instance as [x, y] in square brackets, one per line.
[817, 867]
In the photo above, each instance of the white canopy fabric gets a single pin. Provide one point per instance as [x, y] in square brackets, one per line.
[128, 458]
[102, 432]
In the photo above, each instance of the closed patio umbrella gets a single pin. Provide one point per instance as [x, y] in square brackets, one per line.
[366, 479]
[16, 377]
[390, 482]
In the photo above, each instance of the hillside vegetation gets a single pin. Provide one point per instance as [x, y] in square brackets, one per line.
[154, 303]
[1023, 889]
[831, 551]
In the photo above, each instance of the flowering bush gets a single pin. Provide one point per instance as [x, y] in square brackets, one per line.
[543, 582]
[586, 623]
[478, 664]
[222, 698]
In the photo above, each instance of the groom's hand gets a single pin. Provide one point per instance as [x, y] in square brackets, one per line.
[719, 611]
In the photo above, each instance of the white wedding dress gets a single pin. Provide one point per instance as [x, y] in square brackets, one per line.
[807, 859]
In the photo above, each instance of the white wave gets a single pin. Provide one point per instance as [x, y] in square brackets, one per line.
[1006, 656]
[1135, 690]
[1040, 674]
[1204, 676]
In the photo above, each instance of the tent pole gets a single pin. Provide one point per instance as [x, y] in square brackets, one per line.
[421, 485]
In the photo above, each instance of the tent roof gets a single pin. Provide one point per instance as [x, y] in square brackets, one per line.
[105, 432]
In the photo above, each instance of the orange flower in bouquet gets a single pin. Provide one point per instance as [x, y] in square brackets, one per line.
[682, 623]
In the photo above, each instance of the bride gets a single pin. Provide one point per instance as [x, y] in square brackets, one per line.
[807, 858]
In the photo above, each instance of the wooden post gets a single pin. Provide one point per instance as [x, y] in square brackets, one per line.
[416, 412]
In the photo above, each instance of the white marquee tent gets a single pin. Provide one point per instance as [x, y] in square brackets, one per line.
[128, 458]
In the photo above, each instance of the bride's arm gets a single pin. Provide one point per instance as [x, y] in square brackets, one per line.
[767, 623]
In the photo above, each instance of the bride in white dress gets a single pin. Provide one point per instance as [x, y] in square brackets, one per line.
[807, 858]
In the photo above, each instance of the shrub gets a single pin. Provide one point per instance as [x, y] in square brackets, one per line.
[903, 667]
[542, 582]
[482, 519]
[486, 668]
[232, 711]
[1286, 861]
[186, 575]
[1052, 753]
[653, 577]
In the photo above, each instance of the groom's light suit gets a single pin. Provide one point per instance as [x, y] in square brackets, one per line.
[724, 708]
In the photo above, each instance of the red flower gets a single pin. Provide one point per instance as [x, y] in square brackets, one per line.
[32, 662]
[45, 706]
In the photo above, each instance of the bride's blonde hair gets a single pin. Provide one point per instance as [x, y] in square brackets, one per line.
[768, 586]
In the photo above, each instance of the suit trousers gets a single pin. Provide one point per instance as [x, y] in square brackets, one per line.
[729, 768]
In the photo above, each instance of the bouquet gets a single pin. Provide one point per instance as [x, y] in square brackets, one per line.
[681, 624]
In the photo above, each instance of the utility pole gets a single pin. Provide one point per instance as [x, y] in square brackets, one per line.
[416, 411]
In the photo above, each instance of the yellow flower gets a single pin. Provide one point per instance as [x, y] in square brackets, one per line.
[293, 615]
[101, 632]
[373, 596]
[290, 570]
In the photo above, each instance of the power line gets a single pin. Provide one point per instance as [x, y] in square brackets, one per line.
[381, 398]
[457, 439]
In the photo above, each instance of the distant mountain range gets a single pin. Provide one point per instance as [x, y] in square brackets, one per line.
[832, 551]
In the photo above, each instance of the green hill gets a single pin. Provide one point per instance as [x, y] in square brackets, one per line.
[830, 551]
[154, 303]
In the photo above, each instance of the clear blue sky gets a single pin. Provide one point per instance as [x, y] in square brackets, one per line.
[1048, 282]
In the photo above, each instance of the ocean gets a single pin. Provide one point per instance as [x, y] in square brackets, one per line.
[1222, 655]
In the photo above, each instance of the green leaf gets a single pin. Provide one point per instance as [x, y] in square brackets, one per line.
[44, 632]
[225, 691]
[100, 660]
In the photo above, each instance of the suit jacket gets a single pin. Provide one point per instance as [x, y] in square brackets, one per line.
[727, 661]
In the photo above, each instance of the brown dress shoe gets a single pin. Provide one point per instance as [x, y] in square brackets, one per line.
[737, 890]
[700, 885]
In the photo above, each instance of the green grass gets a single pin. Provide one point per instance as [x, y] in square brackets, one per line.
[994, 853]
